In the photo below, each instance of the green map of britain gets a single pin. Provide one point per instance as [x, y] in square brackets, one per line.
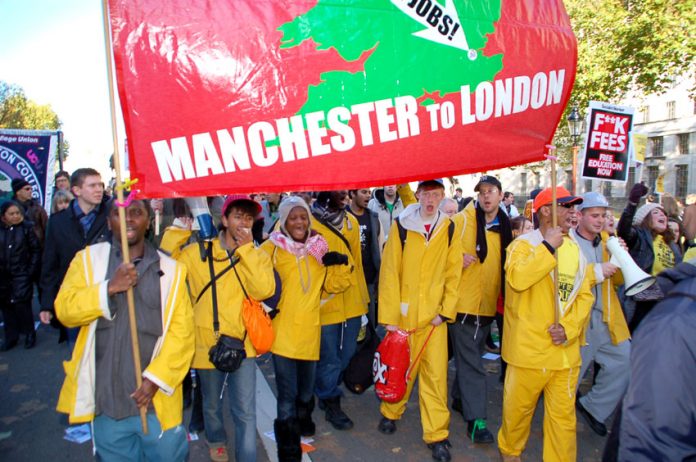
[399, 62]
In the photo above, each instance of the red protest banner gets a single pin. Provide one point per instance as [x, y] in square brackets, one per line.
[244, 96]
[607, 144]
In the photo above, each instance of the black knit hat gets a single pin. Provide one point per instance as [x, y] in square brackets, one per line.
[18, 183]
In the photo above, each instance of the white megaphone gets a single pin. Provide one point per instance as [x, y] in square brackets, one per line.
[201, 212]
[635, 279]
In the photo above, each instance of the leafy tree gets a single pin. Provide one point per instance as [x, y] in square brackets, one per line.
[19, 112]
[628, 45]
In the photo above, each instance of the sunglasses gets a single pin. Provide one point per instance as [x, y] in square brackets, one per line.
[567, 205]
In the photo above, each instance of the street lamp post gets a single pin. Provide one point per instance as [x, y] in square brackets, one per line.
[575, 126]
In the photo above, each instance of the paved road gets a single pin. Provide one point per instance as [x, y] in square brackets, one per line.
[31, 430]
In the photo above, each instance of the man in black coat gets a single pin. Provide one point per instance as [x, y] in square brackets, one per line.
[83, 223]
[371, 241]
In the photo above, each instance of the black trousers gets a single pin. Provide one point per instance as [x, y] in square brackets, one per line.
[18, 319]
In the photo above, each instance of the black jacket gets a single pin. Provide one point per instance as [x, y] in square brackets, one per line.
[19, 261]
[35, 213]
[659, 410]
[374, 241]
[639, 240]
[64, 238]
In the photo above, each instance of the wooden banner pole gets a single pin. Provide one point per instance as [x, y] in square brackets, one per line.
[122, 210]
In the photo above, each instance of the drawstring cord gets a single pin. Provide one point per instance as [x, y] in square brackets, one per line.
[306, 287]
[343, 328]
[478, 323]
[224, 385]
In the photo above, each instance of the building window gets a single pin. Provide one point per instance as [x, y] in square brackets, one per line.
[682, 181]
[631, 179]
[656, 146]
[523, 188]
[645, 110]
[588, 185]
[683, 143]
[606, 189]
[653, 173]
[569, 180]
[671, 109]
[537, 180]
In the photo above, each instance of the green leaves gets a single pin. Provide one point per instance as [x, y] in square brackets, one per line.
[17, 111]
[625, 45]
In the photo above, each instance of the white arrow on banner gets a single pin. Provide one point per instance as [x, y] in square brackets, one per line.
[441, 23]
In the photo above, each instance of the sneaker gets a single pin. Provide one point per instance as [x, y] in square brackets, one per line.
[219, 454]
[596, 426]
[478, 432]
[440, 450]
[387, 426]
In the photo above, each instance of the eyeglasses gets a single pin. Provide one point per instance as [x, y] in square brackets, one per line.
[567, 205]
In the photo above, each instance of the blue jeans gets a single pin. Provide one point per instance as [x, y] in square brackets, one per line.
[241, 394]
[123, 440]
[338, 344]
[294, 381]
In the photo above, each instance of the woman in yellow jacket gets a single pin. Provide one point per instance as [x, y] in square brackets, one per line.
[340, 313]
[300, 257]
[233, 246]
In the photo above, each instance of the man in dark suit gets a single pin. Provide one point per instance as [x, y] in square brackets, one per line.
[83, 223]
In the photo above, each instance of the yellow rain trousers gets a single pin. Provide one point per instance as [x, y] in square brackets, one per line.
[520, 396]
[431, 371]
[417, 283]
[535, 364]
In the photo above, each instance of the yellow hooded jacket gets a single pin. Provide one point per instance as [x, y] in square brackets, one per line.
[83, 299]
[478, 291]
[256, 272]
[336, 308]
[297, 325]
[529, 307]
[612, 314]
[420, 281]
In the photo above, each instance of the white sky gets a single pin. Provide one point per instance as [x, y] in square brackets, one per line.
[55, 51]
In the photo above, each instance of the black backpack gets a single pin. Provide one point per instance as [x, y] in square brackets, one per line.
[358, 375]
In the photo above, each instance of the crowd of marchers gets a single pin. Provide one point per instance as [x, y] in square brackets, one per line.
[572, 286]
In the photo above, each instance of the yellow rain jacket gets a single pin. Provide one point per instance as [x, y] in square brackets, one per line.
[475, 297]
[419, 282]
[297, 325]
[406, 194]
[255, 271]
[336, 308]
[174, 240]
[83, 299]
[529, 307]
